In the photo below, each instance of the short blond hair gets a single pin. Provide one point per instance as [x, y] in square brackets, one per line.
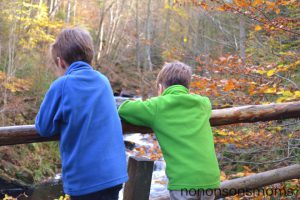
[174, 73]
[73, 44]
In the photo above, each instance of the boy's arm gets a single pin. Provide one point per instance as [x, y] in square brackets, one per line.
[140, 113]
[208, 105]
[49, 117]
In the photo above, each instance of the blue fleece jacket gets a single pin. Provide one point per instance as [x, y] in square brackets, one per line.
[80, 107]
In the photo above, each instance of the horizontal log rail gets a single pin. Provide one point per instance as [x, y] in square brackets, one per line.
[244, 114]
[252, 184]
[259, 180]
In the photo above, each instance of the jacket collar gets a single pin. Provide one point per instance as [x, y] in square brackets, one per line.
[77, 66]
[175, 89]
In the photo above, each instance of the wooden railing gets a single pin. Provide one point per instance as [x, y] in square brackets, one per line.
[244, 114]
[141, 179]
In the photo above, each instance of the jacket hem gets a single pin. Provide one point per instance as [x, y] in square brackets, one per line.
[95, 188]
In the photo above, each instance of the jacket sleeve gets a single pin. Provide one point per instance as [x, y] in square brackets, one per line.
[49, 117]
[208, 105]
[140, 113]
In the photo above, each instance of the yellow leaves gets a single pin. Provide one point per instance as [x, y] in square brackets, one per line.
[167, 5]
[66, 197]
[271, 90]
[185, 40]
[288, 95]
[261, 72]
[6, 197]
[223, 176]
[277, 10]
[271, 72]
[34, 24]
[258, 28]
[297, 94]
[223, 132]
[14, 84]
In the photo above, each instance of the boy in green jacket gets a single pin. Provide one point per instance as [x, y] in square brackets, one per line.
[180, 121]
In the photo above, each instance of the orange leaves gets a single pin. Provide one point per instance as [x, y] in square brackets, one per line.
[152, 151]
[204, 5]
[229, 86]
[252, 89]
[270, 4]
[242, 3]
[258, 28]
[257, 2]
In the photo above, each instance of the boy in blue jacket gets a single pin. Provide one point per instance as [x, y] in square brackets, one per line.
[80, 107]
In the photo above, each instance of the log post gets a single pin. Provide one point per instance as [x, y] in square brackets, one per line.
[140, 176]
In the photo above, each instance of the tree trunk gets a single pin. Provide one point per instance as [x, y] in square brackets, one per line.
[148, 61]
[168, 19]
[244, 114]
[68, 11]
[137, 35]
[242, 40]
[56, 5]
[74, 11]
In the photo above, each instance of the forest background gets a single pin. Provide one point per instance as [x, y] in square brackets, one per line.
[242, 52]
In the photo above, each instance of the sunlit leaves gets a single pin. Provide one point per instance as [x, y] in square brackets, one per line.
[14, 84]
[257, 2]
[185, 39]
[258, 28]
[241, 3]
[34, 25]
[271, 72]
[271, 90]
[65, 197]
[288, 96]
[6, 197]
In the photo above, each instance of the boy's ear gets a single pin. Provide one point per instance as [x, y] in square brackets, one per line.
[61, 63]
[160, 89]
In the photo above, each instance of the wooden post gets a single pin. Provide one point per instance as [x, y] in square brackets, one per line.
[140, 176]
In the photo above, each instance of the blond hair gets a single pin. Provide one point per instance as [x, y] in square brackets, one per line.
[174, 73]
[73, 44]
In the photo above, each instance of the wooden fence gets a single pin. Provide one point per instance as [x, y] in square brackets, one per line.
[140, 170]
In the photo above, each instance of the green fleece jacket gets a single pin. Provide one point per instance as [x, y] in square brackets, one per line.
[181, 123]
